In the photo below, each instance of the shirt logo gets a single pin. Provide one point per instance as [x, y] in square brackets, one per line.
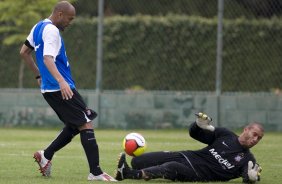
[36, 47]
[224, 162]
[239, 157]
[224, 144]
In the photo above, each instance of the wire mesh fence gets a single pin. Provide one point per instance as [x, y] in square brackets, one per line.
[170, 45]
[160, 46]
[175, 48]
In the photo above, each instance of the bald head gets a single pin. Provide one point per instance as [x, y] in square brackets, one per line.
[63, 13]
[63, 6]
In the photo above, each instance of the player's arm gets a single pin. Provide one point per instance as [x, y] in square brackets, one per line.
[51, 38]
[201, 129]
[26, 55]
[64, 86]
[252, 172]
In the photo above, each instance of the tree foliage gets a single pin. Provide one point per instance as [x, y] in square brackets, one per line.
[16, 20]
[18, 16]
[174, 52]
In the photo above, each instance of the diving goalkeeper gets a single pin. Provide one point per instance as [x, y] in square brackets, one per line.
[226, 156]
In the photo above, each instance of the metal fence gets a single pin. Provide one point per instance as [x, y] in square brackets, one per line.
[215, 46]
[233, 54]
[239, 58]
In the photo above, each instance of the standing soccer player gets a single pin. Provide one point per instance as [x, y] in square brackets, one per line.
[53, 74]
[226, 156]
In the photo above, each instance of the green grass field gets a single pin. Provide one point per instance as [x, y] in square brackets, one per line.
[70, 166]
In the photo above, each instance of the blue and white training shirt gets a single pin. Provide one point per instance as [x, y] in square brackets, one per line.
[45, 38]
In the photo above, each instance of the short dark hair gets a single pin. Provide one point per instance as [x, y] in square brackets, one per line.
[255, 124]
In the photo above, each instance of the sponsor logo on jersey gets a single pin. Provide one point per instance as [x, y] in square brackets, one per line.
[221, 160]
[239, 157]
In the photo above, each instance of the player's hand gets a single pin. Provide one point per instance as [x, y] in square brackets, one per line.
[254, 171]
[203, 121]
[65, 90]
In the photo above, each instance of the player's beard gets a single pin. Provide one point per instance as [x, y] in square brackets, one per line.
[61, 28]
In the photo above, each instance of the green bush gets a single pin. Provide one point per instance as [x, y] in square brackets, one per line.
[167, 53]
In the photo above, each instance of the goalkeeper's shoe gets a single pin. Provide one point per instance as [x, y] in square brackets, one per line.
[122, 167]
[102, 177]
[44, 164]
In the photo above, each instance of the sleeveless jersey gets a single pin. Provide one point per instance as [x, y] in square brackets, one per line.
[48, 82]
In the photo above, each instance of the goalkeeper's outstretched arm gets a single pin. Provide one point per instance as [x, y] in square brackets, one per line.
[201, 129]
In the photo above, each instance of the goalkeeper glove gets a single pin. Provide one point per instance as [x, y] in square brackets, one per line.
[203, 121]
[254, 171]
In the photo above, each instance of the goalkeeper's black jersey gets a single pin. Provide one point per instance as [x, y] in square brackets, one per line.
[223, 159]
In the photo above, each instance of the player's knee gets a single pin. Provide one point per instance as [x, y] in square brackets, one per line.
[171, 165]
[87, 125]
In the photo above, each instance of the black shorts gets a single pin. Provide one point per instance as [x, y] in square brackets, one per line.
[72, 112]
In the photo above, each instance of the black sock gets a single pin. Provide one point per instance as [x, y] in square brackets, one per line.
[64, 137]
[91, 149]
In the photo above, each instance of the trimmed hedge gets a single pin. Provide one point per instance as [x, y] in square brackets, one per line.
[167, 53]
